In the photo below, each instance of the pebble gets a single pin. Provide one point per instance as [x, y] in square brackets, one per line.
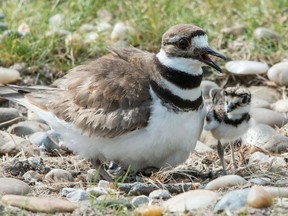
[269, 117]
[31, 116]
[3, 26]
[202, 148]
[96, 191]
[121, 32]
[232, 201]
[13, 186]
[140, 200]
[39, 205]
[225, 181]
[259, 103]
[9, 116]
[66, 191]
[48, 141]
[56, 21]
[258, 197]
[280, 106]
[187, 201]
[90, 37]
[25, 128]
[243, 67]
[56, 175]
[258, 157]
[20, 67]
[208, 139]
[77, 196]
[236, 30]
[279, 73]
[58, 32]
[92, 176]
[104, 15]
[148, 211]
[31, 176]
[23, 29]
[264, 34]
[206, 86]
[271, 95]
[73, 39]
[260, 181]
[281, 192]
[10, 144]
[1, 16]
[104, 28]
[104, 184]
[8, 76]
[160, 194]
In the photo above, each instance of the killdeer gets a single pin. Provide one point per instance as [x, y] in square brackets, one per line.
[229, 119]
[134, 107]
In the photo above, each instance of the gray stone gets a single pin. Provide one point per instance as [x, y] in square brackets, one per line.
[266, 93]
[259, 103]
[19, 66]
[265, 34]
[280, 106]
[279, 73]
[269, 117]
[48, 141]
[26, 128]
[92, 175]
[195, 199]
[159, 194]
[56, 175]
[90, 37]
[39, 205]
[23, 29]
[232, 201]
[66, 191]
[206, 86]
[260, 181]
[9, 116]
[31, 176]
[58, 32]
[122, 32]
[258, 157]
[56, 21]
[97, 191]
[202, 148]
[13, 186]
[225, 181]
[1, 16]
[77, 196]
[3, 26]
[236, 30]
[244, 67]
[11, 144]
[104, 15]
[140, 200]
[104, 184]
[8, 76]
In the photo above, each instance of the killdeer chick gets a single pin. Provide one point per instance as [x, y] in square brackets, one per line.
[229, 119]
[130, 106]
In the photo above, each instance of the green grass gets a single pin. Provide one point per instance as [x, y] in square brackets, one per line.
[150, 18]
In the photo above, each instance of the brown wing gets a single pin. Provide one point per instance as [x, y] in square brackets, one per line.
[107, 97]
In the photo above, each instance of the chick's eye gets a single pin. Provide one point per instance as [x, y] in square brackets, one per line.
[244, 99]
[183, 43]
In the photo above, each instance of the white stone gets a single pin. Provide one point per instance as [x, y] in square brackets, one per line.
[8, 76]
[269, 117]
[90, 37]
[258, 157]
[206, 86]
[202, 148]
[266, 34]
[243, 67]
[23, 29]
[121, 31]
[159, 194]
[56, 21]
[140, 200]
[279, 73]
[225, 181]
[281, 105]
[195, 199]
[77, 195]
[97, 191]
[266, 93]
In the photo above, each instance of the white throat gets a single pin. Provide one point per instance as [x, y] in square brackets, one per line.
[191, 66]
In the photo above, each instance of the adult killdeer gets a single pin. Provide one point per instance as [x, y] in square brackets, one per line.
[229, 119]
[134, 107]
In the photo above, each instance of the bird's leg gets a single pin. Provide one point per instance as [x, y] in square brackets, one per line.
[220, 151]
[233, 161]
[100, 169]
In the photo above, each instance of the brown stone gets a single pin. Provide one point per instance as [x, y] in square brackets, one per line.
[258, 197]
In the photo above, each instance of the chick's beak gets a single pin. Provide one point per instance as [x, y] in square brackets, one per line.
[204, 57]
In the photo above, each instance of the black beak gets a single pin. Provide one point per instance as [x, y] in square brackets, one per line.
[204, 57]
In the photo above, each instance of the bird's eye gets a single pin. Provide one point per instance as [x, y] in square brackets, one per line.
[183, 44]
[245, 99]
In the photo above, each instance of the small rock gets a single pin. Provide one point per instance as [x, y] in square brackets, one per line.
[3, 26]
[66, 191]
[279, 73]
[39, 205]
[11, 144]
[225, 181]
[121, 32]
[9, 116]
[159, 194]
[92, 176]
[104, 184]
[31, 116]
[104, 28]
[26, 128]
[258, 157]
[8, 76]
[236, 30]
[31, 176]
[280, 106]
[259, 103]
[87, 28]
[206, 86]
[242, 67]
[208, 139]
[90, 37]
[104, 15]
[148, 211]
[260, 181]
[48, 141]
[281, 192]
[195, 199]
[56, 21]
[58, 32]
[13, 186]
[59, 175]
[276, 163]
[1, 16]
[202, 148]
[20, 67]
[232, 201]
[258, 197]
[23, 29]
[96, 191]
[77, 196]
[265, 93]
[265, 34]
[140, 200]
[72, 39]
[269, 117]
